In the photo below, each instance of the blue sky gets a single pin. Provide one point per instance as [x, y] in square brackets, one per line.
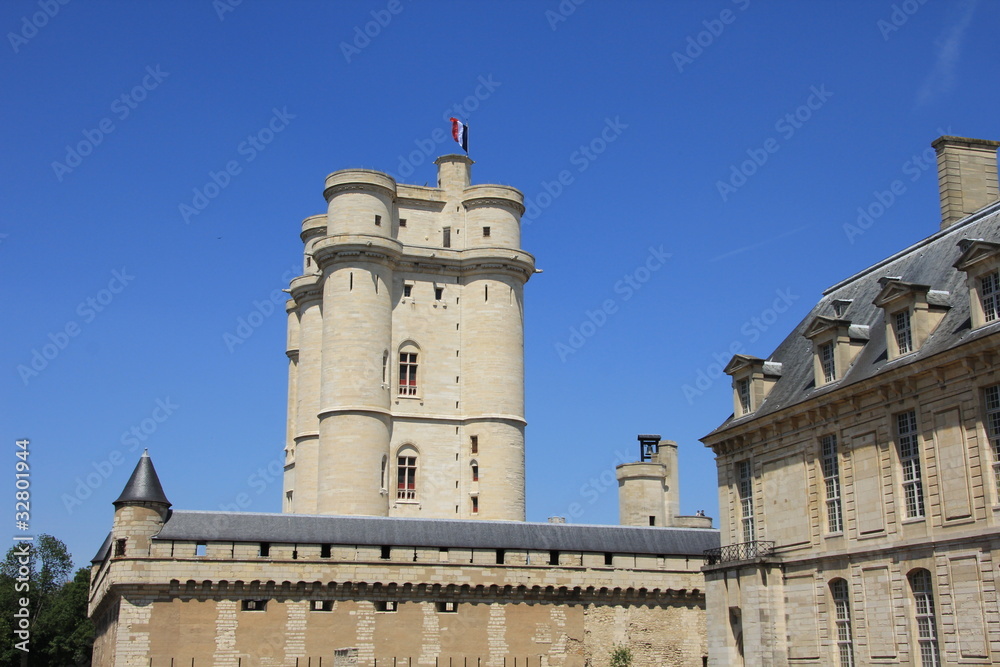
[690, 169]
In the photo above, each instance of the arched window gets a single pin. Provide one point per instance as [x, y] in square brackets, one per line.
[408, 362]
[842, 617]
[406, 473]
[923, 606]
[474, 466]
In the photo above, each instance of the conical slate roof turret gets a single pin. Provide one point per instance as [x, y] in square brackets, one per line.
[143, 485]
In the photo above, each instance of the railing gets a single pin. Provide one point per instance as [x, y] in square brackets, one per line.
[741, 551]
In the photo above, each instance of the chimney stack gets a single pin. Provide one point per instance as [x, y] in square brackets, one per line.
[967, 176]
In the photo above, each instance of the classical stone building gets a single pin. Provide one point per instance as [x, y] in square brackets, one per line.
[859, 476]
[402, 539]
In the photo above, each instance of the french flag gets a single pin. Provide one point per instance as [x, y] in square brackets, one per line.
[460, 133]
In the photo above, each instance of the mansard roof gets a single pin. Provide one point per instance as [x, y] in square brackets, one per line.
[934, 262]
[392, 531]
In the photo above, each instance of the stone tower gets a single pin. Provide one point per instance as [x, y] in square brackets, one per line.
[406, 350]
[648, 490]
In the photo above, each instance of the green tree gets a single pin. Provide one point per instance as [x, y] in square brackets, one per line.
[621, 656]
[60, 632]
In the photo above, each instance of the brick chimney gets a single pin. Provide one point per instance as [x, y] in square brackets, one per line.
[967, 176]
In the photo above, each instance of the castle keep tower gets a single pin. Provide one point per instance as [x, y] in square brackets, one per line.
[406, 350]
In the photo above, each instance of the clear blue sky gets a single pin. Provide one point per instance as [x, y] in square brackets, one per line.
[646, 106]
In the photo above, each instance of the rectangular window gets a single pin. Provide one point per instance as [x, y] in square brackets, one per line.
[386, 605]
[486, 231]
[474, 443]
[325, 550]
[831, 479]
[609, 558]
[923, 598]
[200, 548]
[406, 478]
[743, 387]
[378, 220]
[501, 556]
[904, 339]
[407, 290]
[992, 395]
[475, 504]
[402, 222]
[321, 605]
[909, 459]
[744, 474]
[553, 558]
[652, 520]
[842, 616]
[446, 607]
[385, 553]
[119, 547]
[265, 549]
[254, 605]
[475, 473]
[408, 374]
[826, 360]
[989, 293]
[446, 241]
[438, 293]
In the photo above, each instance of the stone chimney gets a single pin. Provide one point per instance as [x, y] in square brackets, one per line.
[967, 176]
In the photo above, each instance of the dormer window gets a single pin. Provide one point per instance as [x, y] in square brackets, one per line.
[743, 389]
[828, 362]
[912, 313]
[980, 261]
[840, 307]
[901, 327]
[753, 379]
[836, 344]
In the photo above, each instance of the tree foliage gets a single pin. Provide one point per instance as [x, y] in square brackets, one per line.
[61, 635]
[621, 656]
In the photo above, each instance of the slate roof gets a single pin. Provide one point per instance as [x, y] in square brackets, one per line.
[391, 531]
[928, 262]
[144, 484]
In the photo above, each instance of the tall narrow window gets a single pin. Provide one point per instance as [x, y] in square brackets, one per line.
[475, 472]
[385, 366]
[486, 231]
[378, 220]
[438, 293]
[407, 374]
[744, 474]
[743, 387]
[989, 293]
[828, 363]
[475, 504]
[909, 459]
[474, 443]
[904, 338]
[923, 599]
[842, 617]
[382, 479]
[831, 478]
[406, 478]
[446, 241]
[993, 429]
[407, 290]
